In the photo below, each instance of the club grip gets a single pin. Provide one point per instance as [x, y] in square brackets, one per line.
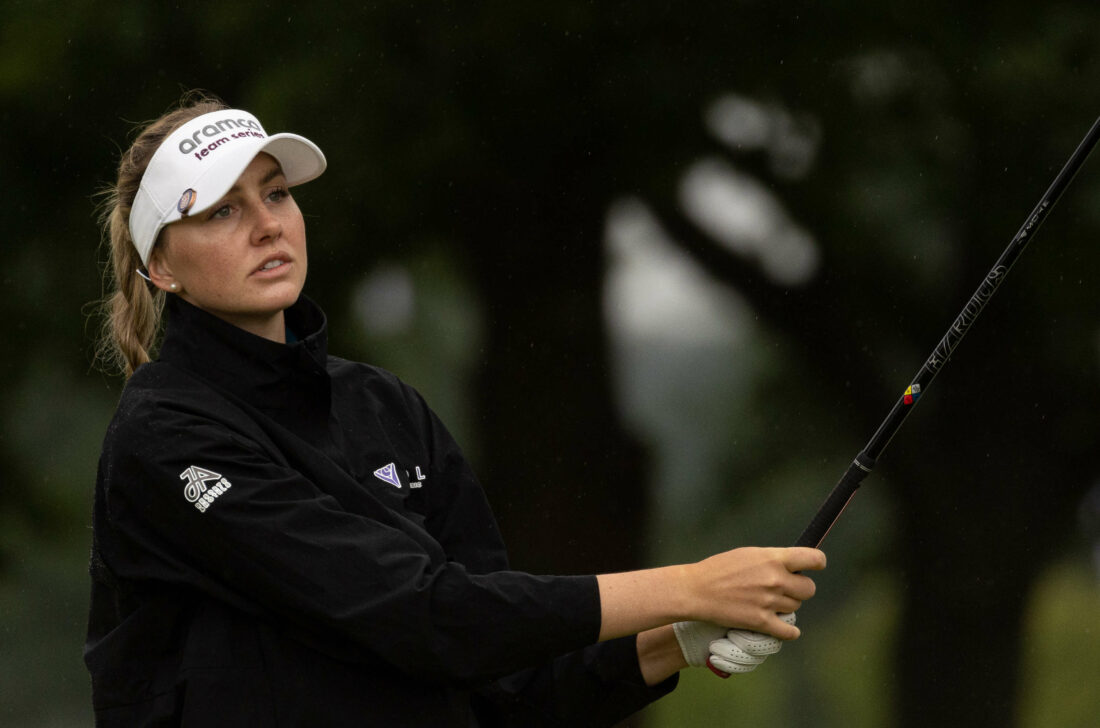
[833, 506]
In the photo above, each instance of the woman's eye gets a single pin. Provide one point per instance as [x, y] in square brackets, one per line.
[278, 194]
[221, 212]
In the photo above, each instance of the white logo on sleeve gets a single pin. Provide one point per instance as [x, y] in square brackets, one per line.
[196, 491]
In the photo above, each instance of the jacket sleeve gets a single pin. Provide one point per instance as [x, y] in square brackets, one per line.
[598, 685]
[202, 503]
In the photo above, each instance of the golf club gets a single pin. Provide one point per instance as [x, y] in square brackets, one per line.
[864, 462]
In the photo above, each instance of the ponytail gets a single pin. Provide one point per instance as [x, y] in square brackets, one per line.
[132, 308]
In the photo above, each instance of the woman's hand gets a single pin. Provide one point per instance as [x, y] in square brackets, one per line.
[748, 588]
[742, 650]
[744, 588]
[753, 590]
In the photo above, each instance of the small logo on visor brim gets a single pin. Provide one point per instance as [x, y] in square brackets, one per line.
[187, 201]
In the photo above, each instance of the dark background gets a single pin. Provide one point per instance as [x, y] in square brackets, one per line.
[663, 268]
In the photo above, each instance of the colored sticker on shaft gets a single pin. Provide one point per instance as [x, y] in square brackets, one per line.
[912, 394]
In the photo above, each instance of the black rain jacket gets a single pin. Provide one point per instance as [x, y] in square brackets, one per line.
[287, 538]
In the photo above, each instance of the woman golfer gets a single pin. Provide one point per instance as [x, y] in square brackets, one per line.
[286, 538]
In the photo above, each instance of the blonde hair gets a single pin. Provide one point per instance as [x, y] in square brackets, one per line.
[131, 308]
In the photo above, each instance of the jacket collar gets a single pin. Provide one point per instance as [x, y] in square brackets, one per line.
[289, 382]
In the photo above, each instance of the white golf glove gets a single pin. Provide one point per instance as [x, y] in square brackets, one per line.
[724, 651]
[695, 639]
[742, 650]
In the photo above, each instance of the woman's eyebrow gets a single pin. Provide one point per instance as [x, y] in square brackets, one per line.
[272, 174]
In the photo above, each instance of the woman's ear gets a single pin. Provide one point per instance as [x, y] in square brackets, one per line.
[160, 272]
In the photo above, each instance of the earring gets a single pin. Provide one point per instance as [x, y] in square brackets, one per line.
[174, 287]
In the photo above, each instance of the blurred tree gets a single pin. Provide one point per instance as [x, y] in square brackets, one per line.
[924, 176]
[504, 131]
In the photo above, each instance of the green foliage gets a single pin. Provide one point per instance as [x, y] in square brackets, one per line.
[1061, 653]
[480, 147]
[839, 673]
[43, 605]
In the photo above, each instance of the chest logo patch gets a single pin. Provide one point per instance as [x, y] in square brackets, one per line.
[198, 492]
[388, 474]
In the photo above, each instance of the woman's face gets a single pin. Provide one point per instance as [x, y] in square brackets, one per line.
[242, 259]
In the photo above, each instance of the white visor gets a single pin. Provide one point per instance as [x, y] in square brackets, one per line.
[197, 164]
